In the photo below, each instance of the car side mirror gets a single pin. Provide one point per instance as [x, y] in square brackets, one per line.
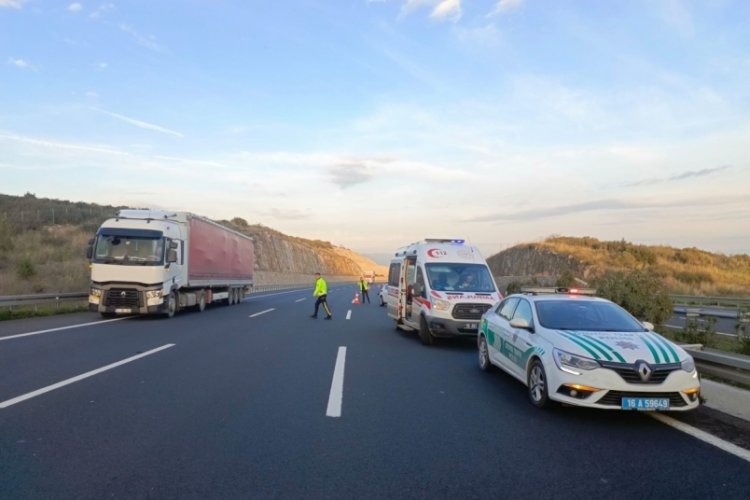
[647, 325]
[521, 323]
[90, 249]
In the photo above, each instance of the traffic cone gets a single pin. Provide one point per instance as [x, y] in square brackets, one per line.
[356, 298]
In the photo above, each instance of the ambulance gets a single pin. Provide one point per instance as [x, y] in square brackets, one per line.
[439, 288]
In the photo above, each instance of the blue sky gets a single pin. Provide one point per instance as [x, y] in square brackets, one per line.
[373, 124]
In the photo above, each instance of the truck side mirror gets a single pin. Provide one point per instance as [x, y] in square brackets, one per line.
[171, 255]
[90, 249]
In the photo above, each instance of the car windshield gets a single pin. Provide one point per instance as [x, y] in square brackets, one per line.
[460, 278]
[129, 250]
[586, 315]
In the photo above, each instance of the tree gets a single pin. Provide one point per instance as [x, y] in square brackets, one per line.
[640, 292]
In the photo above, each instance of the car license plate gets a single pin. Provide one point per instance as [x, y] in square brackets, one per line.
[471, 326]
[124, 310]
[645, 404]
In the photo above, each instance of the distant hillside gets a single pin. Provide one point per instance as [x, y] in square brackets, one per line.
[43, 246]
[683, 270]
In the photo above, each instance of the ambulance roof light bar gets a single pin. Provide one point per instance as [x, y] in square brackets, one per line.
[558, 290]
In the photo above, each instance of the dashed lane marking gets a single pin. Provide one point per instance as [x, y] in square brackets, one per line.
[69, 327]
[349, 314]
[336, 396]
[300, 300]
[262, 312]
[78, 378]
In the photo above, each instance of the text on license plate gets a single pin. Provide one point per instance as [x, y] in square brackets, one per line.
[648, 404]
[471, 326]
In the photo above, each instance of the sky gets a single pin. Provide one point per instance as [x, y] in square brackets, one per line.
[376, 123]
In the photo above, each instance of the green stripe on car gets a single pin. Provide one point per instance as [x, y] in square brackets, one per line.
[606, 346]
[590, 342]
[661, 342]
[580, 344]
[651, 348]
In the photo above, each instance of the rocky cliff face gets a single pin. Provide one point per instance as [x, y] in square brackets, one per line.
[278, 253]
[531, 260]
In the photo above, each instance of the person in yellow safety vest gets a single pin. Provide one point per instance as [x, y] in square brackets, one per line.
[363, 287]
[321, 291]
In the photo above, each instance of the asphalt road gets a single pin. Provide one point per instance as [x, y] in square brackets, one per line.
[723, 326]
[234, 406]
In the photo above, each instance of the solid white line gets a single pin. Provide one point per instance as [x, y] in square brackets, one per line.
[349, 314]
[704, 436]
[336, 395]
[262, 312]
[70, 327]
[300, 300]
[77, 378]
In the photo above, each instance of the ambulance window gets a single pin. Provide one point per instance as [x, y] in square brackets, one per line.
[420, 288]
[393, 273]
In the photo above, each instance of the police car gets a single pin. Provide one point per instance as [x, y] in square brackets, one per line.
[573, 348]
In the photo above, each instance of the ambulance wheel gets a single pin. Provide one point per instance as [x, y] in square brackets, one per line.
[424, 332]
[537, 385]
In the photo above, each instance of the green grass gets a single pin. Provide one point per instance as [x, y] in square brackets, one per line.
[20, 312]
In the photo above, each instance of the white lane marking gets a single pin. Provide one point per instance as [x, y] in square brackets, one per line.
[78, 378]
[69, 327]
[349, 314]
[336, 395]
[262, 312]
[704, 436]
[297, 290]
[300, 300]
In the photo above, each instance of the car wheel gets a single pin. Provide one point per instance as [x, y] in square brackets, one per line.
[171, 305]
[424, 332]
[202, 302]
[484, 354]
[537, 385]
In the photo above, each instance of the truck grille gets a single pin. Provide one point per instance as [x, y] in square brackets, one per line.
[469, 311]
[630, 375]
[614, 398]
[122, 297]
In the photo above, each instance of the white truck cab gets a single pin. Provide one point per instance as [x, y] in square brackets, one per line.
[440, 288]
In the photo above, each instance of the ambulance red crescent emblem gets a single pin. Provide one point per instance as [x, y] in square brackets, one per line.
[436, 253]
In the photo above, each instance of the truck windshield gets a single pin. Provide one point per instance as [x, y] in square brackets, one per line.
[129, 250]
[456, 277]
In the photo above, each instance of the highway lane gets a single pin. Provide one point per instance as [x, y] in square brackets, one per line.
[237, 408]
[723, 326]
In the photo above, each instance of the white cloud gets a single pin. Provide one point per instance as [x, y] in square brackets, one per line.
[447, 9]
[140, 124]
[144, 41]
[12, 4]
[75, 7]
[504, 6]
[101, 10]
[22, 64]
[59, 145]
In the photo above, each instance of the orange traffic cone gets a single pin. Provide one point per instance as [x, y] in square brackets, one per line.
[356, 299]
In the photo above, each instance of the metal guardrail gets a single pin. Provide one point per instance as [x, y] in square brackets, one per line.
[702, 300]
[728, 366]
[11, 301]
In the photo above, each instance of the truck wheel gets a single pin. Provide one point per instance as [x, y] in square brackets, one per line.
[201, 301]
[171, 305]
[230, 297]
[424, 332]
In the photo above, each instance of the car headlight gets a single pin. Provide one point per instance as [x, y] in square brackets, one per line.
[688, 364]
[95, 292]
[153, 294]
[440, 304]
[572, 363]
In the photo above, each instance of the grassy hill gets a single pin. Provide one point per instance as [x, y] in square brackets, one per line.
[43, 246]
[682, 270]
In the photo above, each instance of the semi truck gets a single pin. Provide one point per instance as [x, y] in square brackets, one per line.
[157, 262]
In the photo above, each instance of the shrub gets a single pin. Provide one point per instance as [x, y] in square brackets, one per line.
[640, 292]
[26, 269]
[566, 278]
[513, 287]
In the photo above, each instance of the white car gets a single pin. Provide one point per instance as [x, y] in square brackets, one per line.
[586, 351]
[383, 294]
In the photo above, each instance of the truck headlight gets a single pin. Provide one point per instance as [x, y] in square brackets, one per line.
[95, 292]
[572, 363]
[440, 304]
[153, 294]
